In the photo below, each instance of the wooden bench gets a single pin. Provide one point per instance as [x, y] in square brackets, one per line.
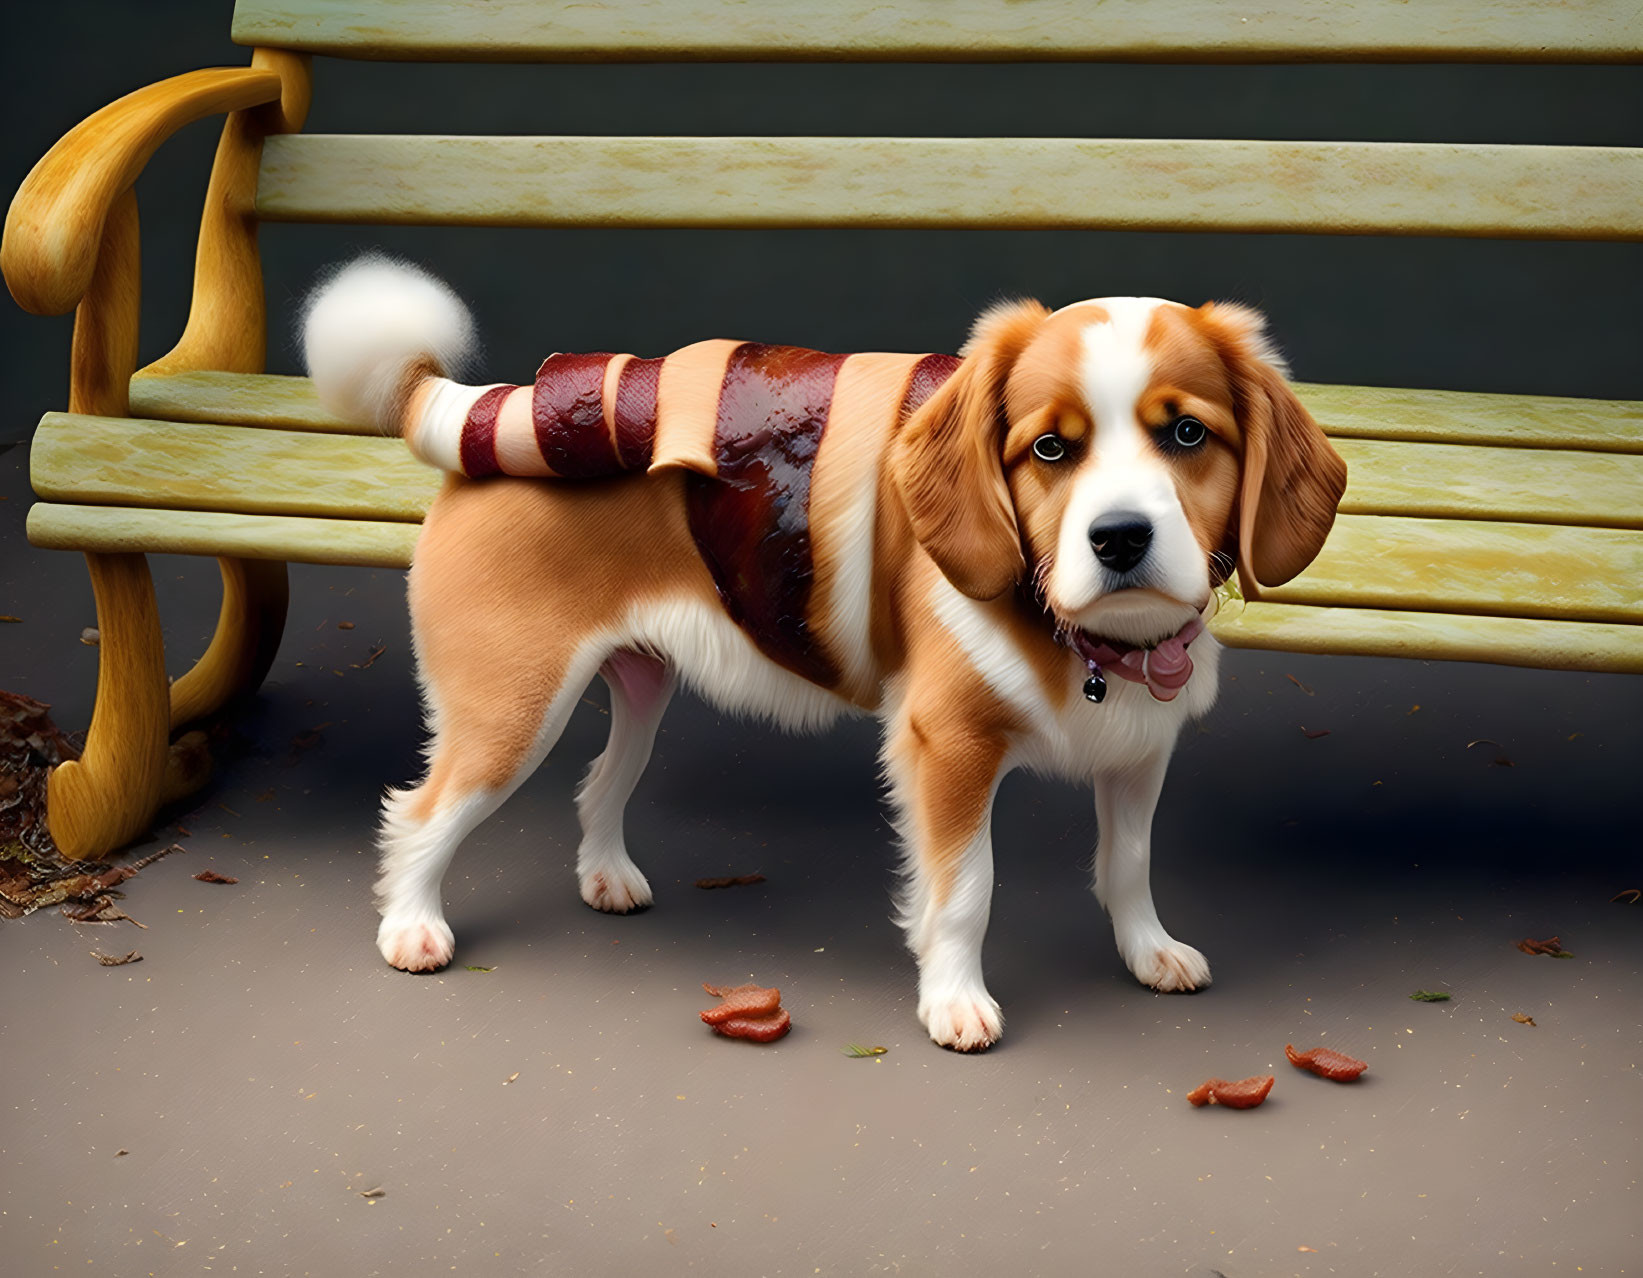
[1500, 528]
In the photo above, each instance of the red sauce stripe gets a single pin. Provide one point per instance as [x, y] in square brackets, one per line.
[479, 433]
[926, 379]
[751, 522]
[636, 412]
[568, 411]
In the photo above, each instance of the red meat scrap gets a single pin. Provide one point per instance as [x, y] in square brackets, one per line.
[747, 1011]
[1326, 1063]
[1247, 1093]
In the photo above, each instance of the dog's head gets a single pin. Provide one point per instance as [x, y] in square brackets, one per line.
[1114, 454]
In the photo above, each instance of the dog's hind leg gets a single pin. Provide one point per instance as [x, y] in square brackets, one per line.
[640, 688]
[483, 750]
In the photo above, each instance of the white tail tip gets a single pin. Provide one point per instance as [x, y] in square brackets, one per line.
[369, 322]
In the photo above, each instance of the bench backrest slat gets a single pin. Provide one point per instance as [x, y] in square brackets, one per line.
[1324, 187]
[951, 30]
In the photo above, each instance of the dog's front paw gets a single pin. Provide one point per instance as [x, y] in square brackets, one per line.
[616, 891]
[1169, 967]
[965, 1024]
[416, 946]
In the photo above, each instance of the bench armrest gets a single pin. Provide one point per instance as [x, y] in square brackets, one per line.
[55, 223]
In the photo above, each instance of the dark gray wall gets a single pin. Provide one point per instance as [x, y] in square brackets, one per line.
[1465, 314]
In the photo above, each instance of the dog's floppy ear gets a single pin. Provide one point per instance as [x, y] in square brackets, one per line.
[1292, 478]
[948, 459]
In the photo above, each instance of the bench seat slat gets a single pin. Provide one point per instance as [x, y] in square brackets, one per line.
[294, 539]
[1340, 188]
[1375, 632]
[103, 460]
[1381, 560]
[112, 460]
[1512, 641]
[1467, 566]
[238, 399]
[108, 460]
[1529, 485]
[1470, 417]
[1354, 412]
[941, 30]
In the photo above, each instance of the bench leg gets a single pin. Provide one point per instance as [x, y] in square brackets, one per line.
[254, 597]
[110, 796]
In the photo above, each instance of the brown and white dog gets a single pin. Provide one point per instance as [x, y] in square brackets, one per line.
[974, 550]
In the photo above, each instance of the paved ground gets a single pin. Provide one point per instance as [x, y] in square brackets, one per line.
[566, 1112]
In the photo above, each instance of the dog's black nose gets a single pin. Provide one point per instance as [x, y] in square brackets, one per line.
[1122, 542]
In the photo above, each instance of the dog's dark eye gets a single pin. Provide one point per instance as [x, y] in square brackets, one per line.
[1188, 432]
[1049, 448]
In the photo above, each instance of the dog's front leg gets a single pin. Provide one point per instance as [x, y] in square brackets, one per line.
[943, 775]
[1124, 804]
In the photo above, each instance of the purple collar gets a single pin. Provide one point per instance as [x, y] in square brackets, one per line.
[1164, 668]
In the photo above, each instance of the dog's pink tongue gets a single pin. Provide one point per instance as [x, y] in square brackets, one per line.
[1168, 665]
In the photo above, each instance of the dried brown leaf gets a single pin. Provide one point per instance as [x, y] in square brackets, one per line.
[371, 657]
[115, 960]
[733, 880]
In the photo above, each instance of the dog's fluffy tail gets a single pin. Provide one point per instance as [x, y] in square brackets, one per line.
[374, 331]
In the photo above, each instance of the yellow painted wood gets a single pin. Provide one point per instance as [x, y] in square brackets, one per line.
[359, 542]
[1472, 417]
[1357, 412]
[1124, 184]
[227, 326]
[959, 30]
[1466, 566]
[1533, 485]
[279, 471]
[55, 223]
[227, 329]
[109, 796]
[185, 466]
[254, 599]
[1372, 632]
[103, 350]
[260, 399]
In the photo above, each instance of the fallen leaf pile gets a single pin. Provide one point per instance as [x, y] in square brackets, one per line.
[34, 873]
[30, 746]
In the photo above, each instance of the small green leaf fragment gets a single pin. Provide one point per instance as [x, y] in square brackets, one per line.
[475, 968]
[856, 1049]
[1430, 996]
